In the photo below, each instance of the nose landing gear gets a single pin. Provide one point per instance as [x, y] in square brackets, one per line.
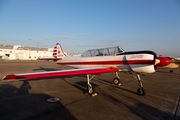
[141, 90]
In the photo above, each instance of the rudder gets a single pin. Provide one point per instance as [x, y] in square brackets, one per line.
[58, 51]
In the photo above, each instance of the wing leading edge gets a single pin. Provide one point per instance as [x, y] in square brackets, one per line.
[98, 71]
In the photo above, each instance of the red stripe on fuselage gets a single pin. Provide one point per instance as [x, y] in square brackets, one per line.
[109, 62]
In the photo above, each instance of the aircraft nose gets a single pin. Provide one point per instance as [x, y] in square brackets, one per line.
[163, 61]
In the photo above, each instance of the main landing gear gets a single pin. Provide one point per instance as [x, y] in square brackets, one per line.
[116, 80]
[89, 86]
[90, 90]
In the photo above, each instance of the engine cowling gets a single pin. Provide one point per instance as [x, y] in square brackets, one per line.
[141, 61]
[162, 61]
[144, 61]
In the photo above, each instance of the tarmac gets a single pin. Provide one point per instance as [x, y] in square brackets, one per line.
[27, 99]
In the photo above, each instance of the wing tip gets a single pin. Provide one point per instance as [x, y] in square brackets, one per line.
[9, 77]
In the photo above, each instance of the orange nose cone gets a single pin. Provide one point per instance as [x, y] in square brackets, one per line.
[163, 61]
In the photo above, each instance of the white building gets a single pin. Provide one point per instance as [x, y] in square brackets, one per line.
[16, 52]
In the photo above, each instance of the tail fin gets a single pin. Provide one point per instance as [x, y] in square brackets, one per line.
[58, 52]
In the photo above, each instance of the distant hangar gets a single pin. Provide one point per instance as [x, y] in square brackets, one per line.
[18, 52]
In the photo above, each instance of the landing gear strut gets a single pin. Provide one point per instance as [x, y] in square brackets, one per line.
[116, 80]
[141, 90]
[89, 86]
[89, 89]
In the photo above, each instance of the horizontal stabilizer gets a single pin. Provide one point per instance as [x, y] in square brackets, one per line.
[48, 58]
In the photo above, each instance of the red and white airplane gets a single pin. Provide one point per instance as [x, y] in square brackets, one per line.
[99, 61]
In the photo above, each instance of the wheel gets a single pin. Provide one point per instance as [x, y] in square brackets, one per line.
[89, 89]
[171, 71]
[116, 81]
[141, 91]
[155, 67]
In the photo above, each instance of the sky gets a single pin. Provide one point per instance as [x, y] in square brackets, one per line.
[79, 25]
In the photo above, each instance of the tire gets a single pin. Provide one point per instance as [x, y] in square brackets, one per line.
[89, 89]
[155, 67]
[171, 71]
[141, 91]
[116, 81]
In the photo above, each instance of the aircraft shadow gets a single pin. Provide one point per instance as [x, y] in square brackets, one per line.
[99, 80]
[46, 69]
[167, 72]
[17, 103]
[80, 85]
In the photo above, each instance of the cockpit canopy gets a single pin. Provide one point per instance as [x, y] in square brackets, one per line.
[112, 51]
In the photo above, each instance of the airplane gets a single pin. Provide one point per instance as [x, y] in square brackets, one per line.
[99, 61]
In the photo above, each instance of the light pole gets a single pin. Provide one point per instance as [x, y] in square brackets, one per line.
[30, 48]
[37, 44]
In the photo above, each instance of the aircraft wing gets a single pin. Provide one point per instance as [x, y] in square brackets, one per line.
[97, 71]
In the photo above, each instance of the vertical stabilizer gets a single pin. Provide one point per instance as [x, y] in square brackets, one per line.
[58, 52]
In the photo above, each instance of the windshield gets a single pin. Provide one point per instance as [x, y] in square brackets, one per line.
[111, 51]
